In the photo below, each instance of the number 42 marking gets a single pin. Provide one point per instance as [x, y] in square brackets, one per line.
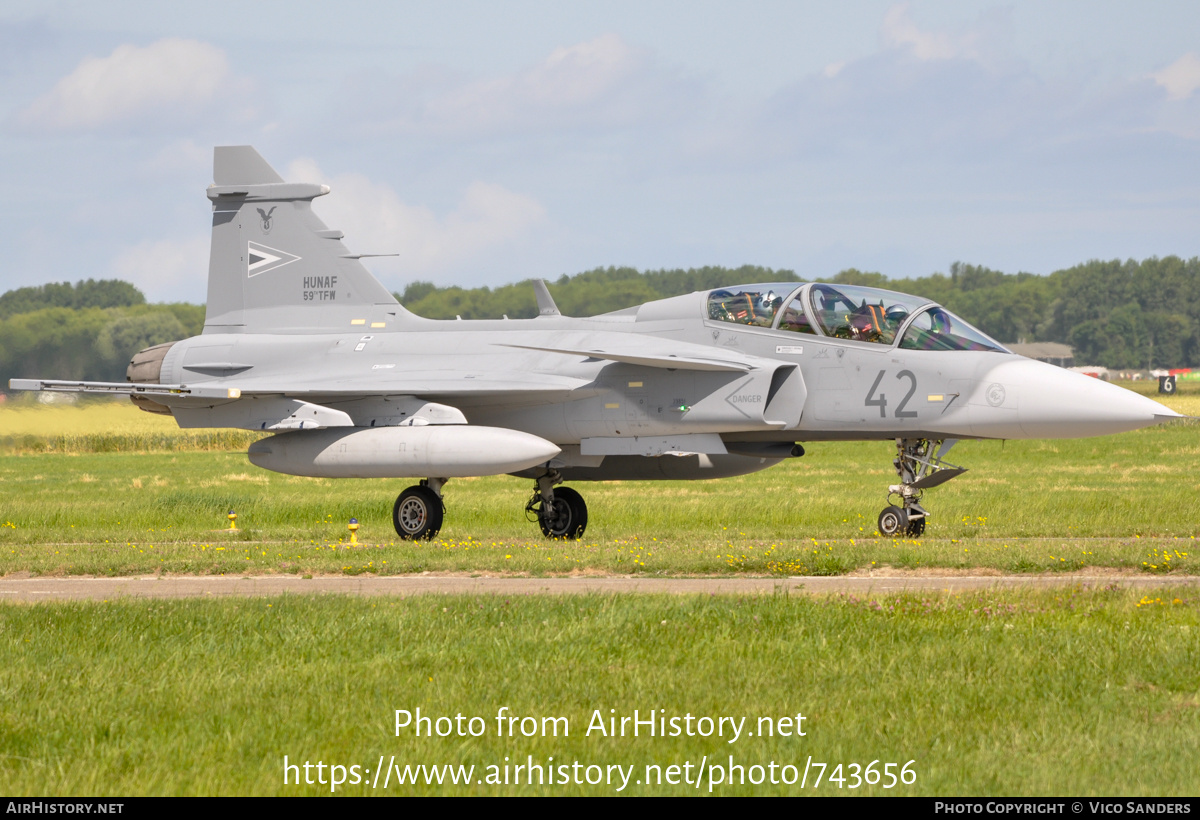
[881, 400]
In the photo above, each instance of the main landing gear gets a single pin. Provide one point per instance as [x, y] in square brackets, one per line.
[560, 513]
[920, 466]
[418, 512]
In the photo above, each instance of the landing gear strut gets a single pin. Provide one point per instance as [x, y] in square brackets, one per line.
[560, 513]
[920, 466]
[418, 512]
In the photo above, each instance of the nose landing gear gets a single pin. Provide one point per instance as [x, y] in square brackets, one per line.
[919, 464]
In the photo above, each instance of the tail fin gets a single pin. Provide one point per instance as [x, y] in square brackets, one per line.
[274, 266]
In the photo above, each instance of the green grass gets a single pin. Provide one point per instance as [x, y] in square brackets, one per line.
[71, 506]
[1072, 692]
[1126, 501]
[1079, 692]
[103, 425]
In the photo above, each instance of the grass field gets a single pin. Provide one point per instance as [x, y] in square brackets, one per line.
[146, 497]
[1076, 692]
[1080, 691]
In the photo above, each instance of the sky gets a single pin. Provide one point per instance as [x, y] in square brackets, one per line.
[486, 143]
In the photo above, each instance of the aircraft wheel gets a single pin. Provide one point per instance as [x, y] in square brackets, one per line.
[915, 528]
[566, 517]
[894, 521]
[417, 514]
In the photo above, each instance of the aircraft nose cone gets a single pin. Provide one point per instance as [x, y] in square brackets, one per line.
[1051, 402]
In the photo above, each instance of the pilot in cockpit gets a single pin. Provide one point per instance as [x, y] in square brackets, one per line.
[867, 323]
[768, 305]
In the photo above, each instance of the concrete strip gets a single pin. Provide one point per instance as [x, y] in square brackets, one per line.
[41, 589]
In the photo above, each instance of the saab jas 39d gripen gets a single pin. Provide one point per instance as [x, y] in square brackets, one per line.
[299, 339]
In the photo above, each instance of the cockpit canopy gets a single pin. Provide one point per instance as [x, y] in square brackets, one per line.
[748, 304]
[848, 312]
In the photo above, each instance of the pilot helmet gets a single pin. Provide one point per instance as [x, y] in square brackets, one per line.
[940, 320]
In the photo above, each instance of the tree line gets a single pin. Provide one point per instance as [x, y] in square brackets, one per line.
[1117, 314]
[88, 330]
[1121, 315]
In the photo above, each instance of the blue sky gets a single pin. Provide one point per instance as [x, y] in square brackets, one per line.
[486, 143]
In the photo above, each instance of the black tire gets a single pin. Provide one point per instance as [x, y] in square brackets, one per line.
[893, 521]
[916, 527]
[417, 514]
[566, 518]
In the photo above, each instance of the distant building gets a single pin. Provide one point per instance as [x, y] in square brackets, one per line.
[1049, 352]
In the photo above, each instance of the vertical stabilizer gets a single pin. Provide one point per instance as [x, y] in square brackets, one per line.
[241, 164]
[274, 266]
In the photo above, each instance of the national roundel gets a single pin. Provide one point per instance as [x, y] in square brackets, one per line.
[260, 258]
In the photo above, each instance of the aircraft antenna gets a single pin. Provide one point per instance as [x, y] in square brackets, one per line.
[545, 301]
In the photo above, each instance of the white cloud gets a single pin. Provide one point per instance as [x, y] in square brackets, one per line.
[167, 270]
[597, 84]
[570, 78]
[579, 74]
[179, 157]
[430, 246]
[964, 105]
[900, 31]
[1181, 77]
[171, 77]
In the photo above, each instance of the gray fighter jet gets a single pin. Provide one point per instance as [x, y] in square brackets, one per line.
[301, 340]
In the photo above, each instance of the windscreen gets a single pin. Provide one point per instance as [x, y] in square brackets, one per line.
[939, 329]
